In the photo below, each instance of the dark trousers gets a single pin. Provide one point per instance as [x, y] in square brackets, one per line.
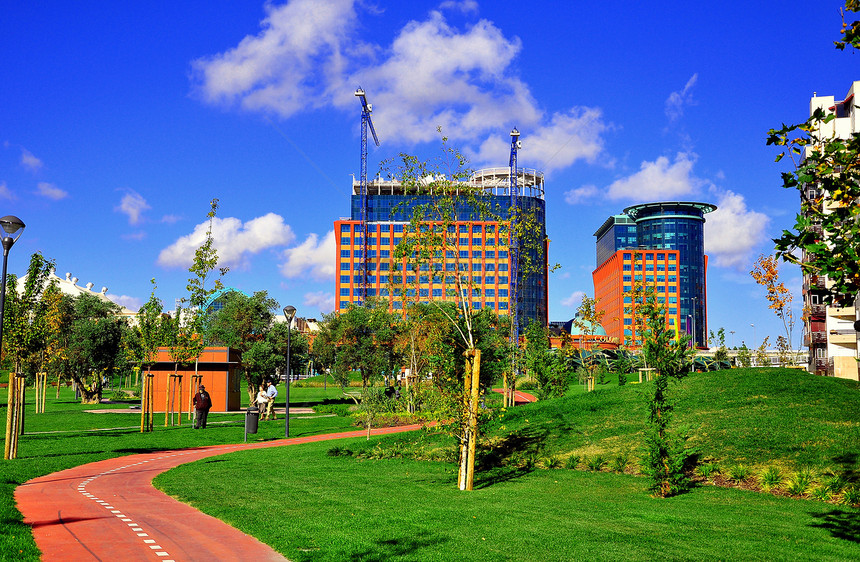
[200, 419]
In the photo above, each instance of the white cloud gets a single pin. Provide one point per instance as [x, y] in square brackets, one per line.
[29, 161]
[5, 192]
[465, 6]
[50, 191]
[132, 204]
[290, 65]
[308, 56]
[677, 101]
[131, 303]
[170, 219]
[658, 180]
[580, 194]
[320, 299]
[574, 299]
[234, 240]
[139, 235]
[313, 257]
[733, 232]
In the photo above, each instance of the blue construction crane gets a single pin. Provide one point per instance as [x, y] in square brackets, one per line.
[366, 122]
[514, 249]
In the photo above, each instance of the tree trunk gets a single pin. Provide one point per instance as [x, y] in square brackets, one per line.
[465, 420]
[473, 418]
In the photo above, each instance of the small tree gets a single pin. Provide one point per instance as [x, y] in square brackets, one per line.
[671, 359]
[766, 273]
[722, 353]
[744, 356]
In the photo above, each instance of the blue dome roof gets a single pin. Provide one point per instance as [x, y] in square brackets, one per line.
[579, 327]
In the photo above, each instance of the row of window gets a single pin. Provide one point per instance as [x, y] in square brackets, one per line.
[650, 257]
[424, 279]
[462, 229]
[477, 305]
[658, 288]
[463, 254]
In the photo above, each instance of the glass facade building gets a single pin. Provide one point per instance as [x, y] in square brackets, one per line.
[482, 249]
[667, 226]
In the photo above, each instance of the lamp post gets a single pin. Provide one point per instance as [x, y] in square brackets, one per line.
[10, 225]
[289, 314]
[732, 332]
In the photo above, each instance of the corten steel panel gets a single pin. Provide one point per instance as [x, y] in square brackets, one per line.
[218, 368]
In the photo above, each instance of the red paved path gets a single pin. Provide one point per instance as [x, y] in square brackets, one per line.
[108, 510]
[519, 396]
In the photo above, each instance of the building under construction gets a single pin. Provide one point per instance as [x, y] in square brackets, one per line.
[480, 254]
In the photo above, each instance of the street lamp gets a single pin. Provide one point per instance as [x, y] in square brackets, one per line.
[732, 332]
[10, 225]
[289, 314]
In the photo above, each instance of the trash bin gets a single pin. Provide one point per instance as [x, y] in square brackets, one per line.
[252, 418]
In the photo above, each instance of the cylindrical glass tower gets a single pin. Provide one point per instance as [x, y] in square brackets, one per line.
[679, 225]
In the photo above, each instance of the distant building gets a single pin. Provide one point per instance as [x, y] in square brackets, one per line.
[69, 286]
[481, 252]
[660, 245]
[829, 331]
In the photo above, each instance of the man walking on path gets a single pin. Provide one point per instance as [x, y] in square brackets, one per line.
[272, 392]
[202, 403]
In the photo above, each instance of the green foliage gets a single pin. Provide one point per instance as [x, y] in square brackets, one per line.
[824, 239]
[595, 463]
[361, 338]
[24, 316]
[707, 470]
[572, 462]
[744, 356]
[666, 455]
[800, 482]
[770, 478]
[722, 353]
[739, 472]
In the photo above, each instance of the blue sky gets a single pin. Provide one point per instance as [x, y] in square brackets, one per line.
[117, 126]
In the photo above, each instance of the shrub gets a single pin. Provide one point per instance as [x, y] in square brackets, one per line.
[595, 463]
[821, 493]
[338, 452]
[572, 462]
[707, 470]
[770, 478]
[739, 472]
[620, 462]
[850, 496]
[800, 482]
[552, 462]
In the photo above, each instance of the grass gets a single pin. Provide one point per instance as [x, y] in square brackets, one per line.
[338, 508]
[66, 436]
[396, 498]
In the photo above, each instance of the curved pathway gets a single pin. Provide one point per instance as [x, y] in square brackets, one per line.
[109, 510]
[520, 397]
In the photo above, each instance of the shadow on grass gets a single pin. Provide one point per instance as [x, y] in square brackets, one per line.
[842, 524]
[847, 471]
[406, 547]
[510, 458]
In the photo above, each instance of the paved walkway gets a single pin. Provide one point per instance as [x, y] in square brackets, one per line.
[108, 510]
[520, 397]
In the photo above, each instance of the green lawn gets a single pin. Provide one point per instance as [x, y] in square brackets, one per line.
[402, 505]
[66, 436]
[337, 508]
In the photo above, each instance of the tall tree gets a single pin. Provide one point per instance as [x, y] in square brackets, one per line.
[241, 323]
[95, 348]
[825, 239]
[24, 315]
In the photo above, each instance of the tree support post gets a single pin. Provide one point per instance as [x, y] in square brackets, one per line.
[473, 417]
[10, 418]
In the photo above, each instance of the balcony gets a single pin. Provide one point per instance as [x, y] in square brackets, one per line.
[817, 309]
[818, 337]
[843, 337]
[846, 312]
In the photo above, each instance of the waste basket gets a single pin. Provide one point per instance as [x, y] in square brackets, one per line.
[252, 419]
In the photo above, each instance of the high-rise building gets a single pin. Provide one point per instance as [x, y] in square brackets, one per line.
[829, 333]
[660, 245]
[481, 251]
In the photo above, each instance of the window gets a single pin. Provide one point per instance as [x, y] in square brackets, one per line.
[424, 279]
[476, 254]
[344, 241]
[344, 304]
[491, 254]
[384, 228]
[503, 279]
[464, 254]
[398, 305]
[627, 267]
[464, 228]
[628, 256]
[464, 241]
[344, 292]
[385, 266]
[398, 228]
[344, 253]
[503, 293]
[449, 254]
[490, 292]
[344, 228]
[437, 293]
[476, 241]
[383, 279]
[450, 266]
[476, 279]
[410, 279]
[490, 267]
[371, 292]
[503, 254]
[503, 306]
[423, 292]
[490, 280]
[383, 292]
[476, 266]
[344, 266]
[503, 267]
[649, 257]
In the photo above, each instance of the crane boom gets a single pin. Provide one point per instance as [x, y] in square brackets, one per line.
[366, 122]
